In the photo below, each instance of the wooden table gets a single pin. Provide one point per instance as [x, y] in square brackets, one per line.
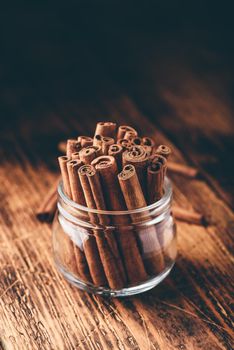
[192, 308]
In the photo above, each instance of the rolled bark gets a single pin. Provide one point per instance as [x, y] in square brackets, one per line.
[107, 168]
[164, 151]
[129, 135]
[75, 156]
[72, 147]
[67, 253]
[106, 143]
[138, 157]
[136, 141]
[148, 141]
[134, 199]
[107, 129]
[106, 241]
[123, 129]
[78, 197]
[85, 141]
[116, 151]
[158, 158]
[125, 144]
[77, 194]
[88, 154]
[63, 160]
[155, 180]
[97, 140]
[90, 244]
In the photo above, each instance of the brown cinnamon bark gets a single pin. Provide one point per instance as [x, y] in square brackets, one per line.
[78, 197]
[134, 199]
[89, 153]
[129, 135]
[116, 151]
[189, 216]
[85, 141]
[107, 129]
[123, 129]
[182, 169]
[63, 160]
[75, 185]
[106, 143]
[75, 156]
[90, 244]
[107, 168]
[136, 141]
[62, 147]
[138, 156]
[97, 140]
[164, 151]
[106, 241]
[72, 147]
[67, 251]
[155, 158]
[46, 210]
[155, 180]
[148, 141]
[125, 144]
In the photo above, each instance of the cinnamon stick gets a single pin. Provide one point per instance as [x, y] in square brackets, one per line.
[75, 185]
[134, 199]
[155, 180]
[106, 143]
[116, 151]
[130, 134]
[138, 156]
[164, 151]
[107, 169]
[97, 140]
[90, 244]
[63, 160]
[136, 141]
[72, 147]
[123, 129]
[189, 216]
[107, 129]
[75, 156]
[46, 210]
[85, 141]
[62, 147]
[67, 251]
[182, 169]
[106, 242]
[89, 153]
[148, 141]
[125, 144]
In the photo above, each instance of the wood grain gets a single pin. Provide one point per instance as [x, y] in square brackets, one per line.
[193, 307]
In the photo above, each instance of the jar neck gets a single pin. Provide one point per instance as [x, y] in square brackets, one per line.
[88, 217]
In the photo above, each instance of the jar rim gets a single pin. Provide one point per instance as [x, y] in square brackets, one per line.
[166, 198]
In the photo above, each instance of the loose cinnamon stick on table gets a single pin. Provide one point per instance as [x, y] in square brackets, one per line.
[116, 151]
[107, 129]
[188, 216]
[181, 169]
[107, 169]
[134, 199]
[46, 210]
[123, 129]
[106, 242]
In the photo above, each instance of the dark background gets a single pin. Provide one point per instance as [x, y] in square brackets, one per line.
[174, 59]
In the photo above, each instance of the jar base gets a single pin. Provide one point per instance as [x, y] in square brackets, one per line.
[107, 292]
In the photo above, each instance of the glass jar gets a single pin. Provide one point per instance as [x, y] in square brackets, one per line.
[115, 253]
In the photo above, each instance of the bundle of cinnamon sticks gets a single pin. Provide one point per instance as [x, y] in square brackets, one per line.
[115, 170]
